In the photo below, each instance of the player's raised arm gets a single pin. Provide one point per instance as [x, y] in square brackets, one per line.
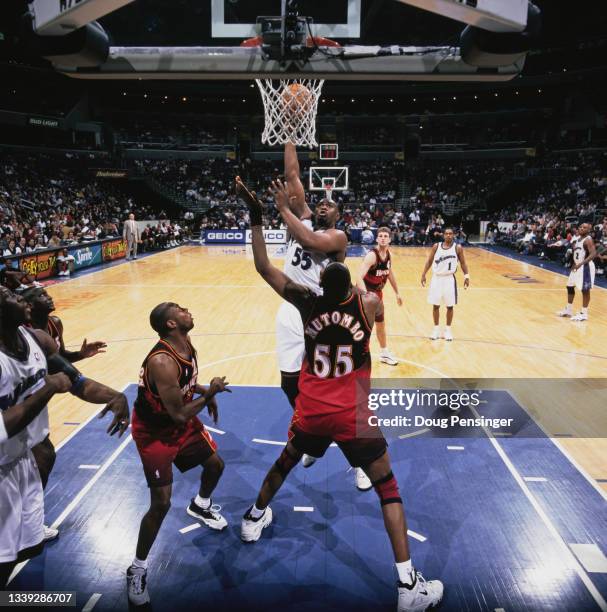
[428, 264]
[329, 241]
[462, 260]
[278, 280]
[297, 195]
[370, 259]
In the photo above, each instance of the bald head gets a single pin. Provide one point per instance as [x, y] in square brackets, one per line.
[335, 282]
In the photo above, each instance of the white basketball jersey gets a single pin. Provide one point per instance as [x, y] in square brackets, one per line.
[19, 380]
[304, 266]
[445, 260]
[579, 252]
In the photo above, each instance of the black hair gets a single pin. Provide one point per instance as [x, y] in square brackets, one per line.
[159, 317]
[335, 282]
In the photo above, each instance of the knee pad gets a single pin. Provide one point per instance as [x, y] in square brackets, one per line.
[285, 463]
[570, 290]
[387, 490]
[289, 384]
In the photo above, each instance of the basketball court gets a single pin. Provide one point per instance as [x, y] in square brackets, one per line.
[506, 524]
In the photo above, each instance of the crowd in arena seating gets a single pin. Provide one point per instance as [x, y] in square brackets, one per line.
[45, 203]
[544, 222]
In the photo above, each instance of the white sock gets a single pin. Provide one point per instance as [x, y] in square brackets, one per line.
[256, 512]
[140, 563]
[568, 308]
[437, 328]
[384, 350]
[203, 502]
[585, 311]
[405, 569]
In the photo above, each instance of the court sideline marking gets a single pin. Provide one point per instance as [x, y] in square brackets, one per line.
[579, 569]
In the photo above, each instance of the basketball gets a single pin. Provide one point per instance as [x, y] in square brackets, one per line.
[297, 98]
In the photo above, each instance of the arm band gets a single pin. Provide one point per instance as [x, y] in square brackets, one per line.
[78, 384]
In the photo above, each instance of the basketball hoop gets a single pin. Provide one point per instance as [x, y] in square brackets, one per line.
[290, 105]
[327, 185]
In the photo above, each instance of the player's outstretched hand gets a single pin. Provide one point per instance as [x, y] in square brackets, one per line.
[89, 350]
[219, 385]
[281, 196]
[119, 406]
[251, 200]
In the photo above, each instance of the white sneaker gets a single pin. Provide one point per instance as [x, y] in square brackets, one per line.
[362, 480]
[210, 517]
[308, 461]
[435, 334]
[580, 316]
[49, 533]
[386, 356]
[250, 528]
[137, 585]
[564, 313]
[420, 595]
[448, 335]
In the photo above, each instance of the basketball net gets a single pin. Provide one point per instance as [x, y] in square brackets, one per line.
[328, 187]
[290, 117]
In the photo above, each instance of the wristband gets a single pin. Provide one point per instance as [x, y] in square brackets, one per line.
[77, 384]
[255, 216]
[466, 276]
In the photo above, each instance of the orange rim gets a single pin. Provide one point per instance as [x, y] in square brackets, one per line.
[319, 41]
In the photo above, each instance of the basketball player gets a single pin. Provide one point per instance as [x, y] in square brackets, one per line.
[443, 259]
[337, 331]
[166, 430]
[31, 373]
[375, 271]
[42, 305]
[582, 272]
[309, 251]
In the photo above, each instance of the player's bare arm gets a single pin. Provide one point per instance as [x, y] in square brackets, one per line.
[589, 244]
[462, 260]
[428, 263]
[329, 241]
[297, 195]
[87, 389]
[370, 259]
[164, 373]
[86, 350]
[392, 280]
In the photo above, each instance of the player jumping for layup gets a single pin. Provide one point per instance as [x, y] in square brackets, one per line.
[443, 288]
[167, 430]
[582, 272]
[375, 271]
[337, 330]
[309, 251]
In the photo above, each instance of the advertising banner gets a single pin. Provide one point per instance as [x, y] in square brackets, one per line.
[278, 236]
[224, 236]
[85, 256]
[114, 249]
[40, 265]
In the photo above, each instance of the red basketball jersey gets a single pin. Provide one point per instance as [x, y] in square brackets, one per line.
[337, 357]
[377, 276]
[149, 411]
